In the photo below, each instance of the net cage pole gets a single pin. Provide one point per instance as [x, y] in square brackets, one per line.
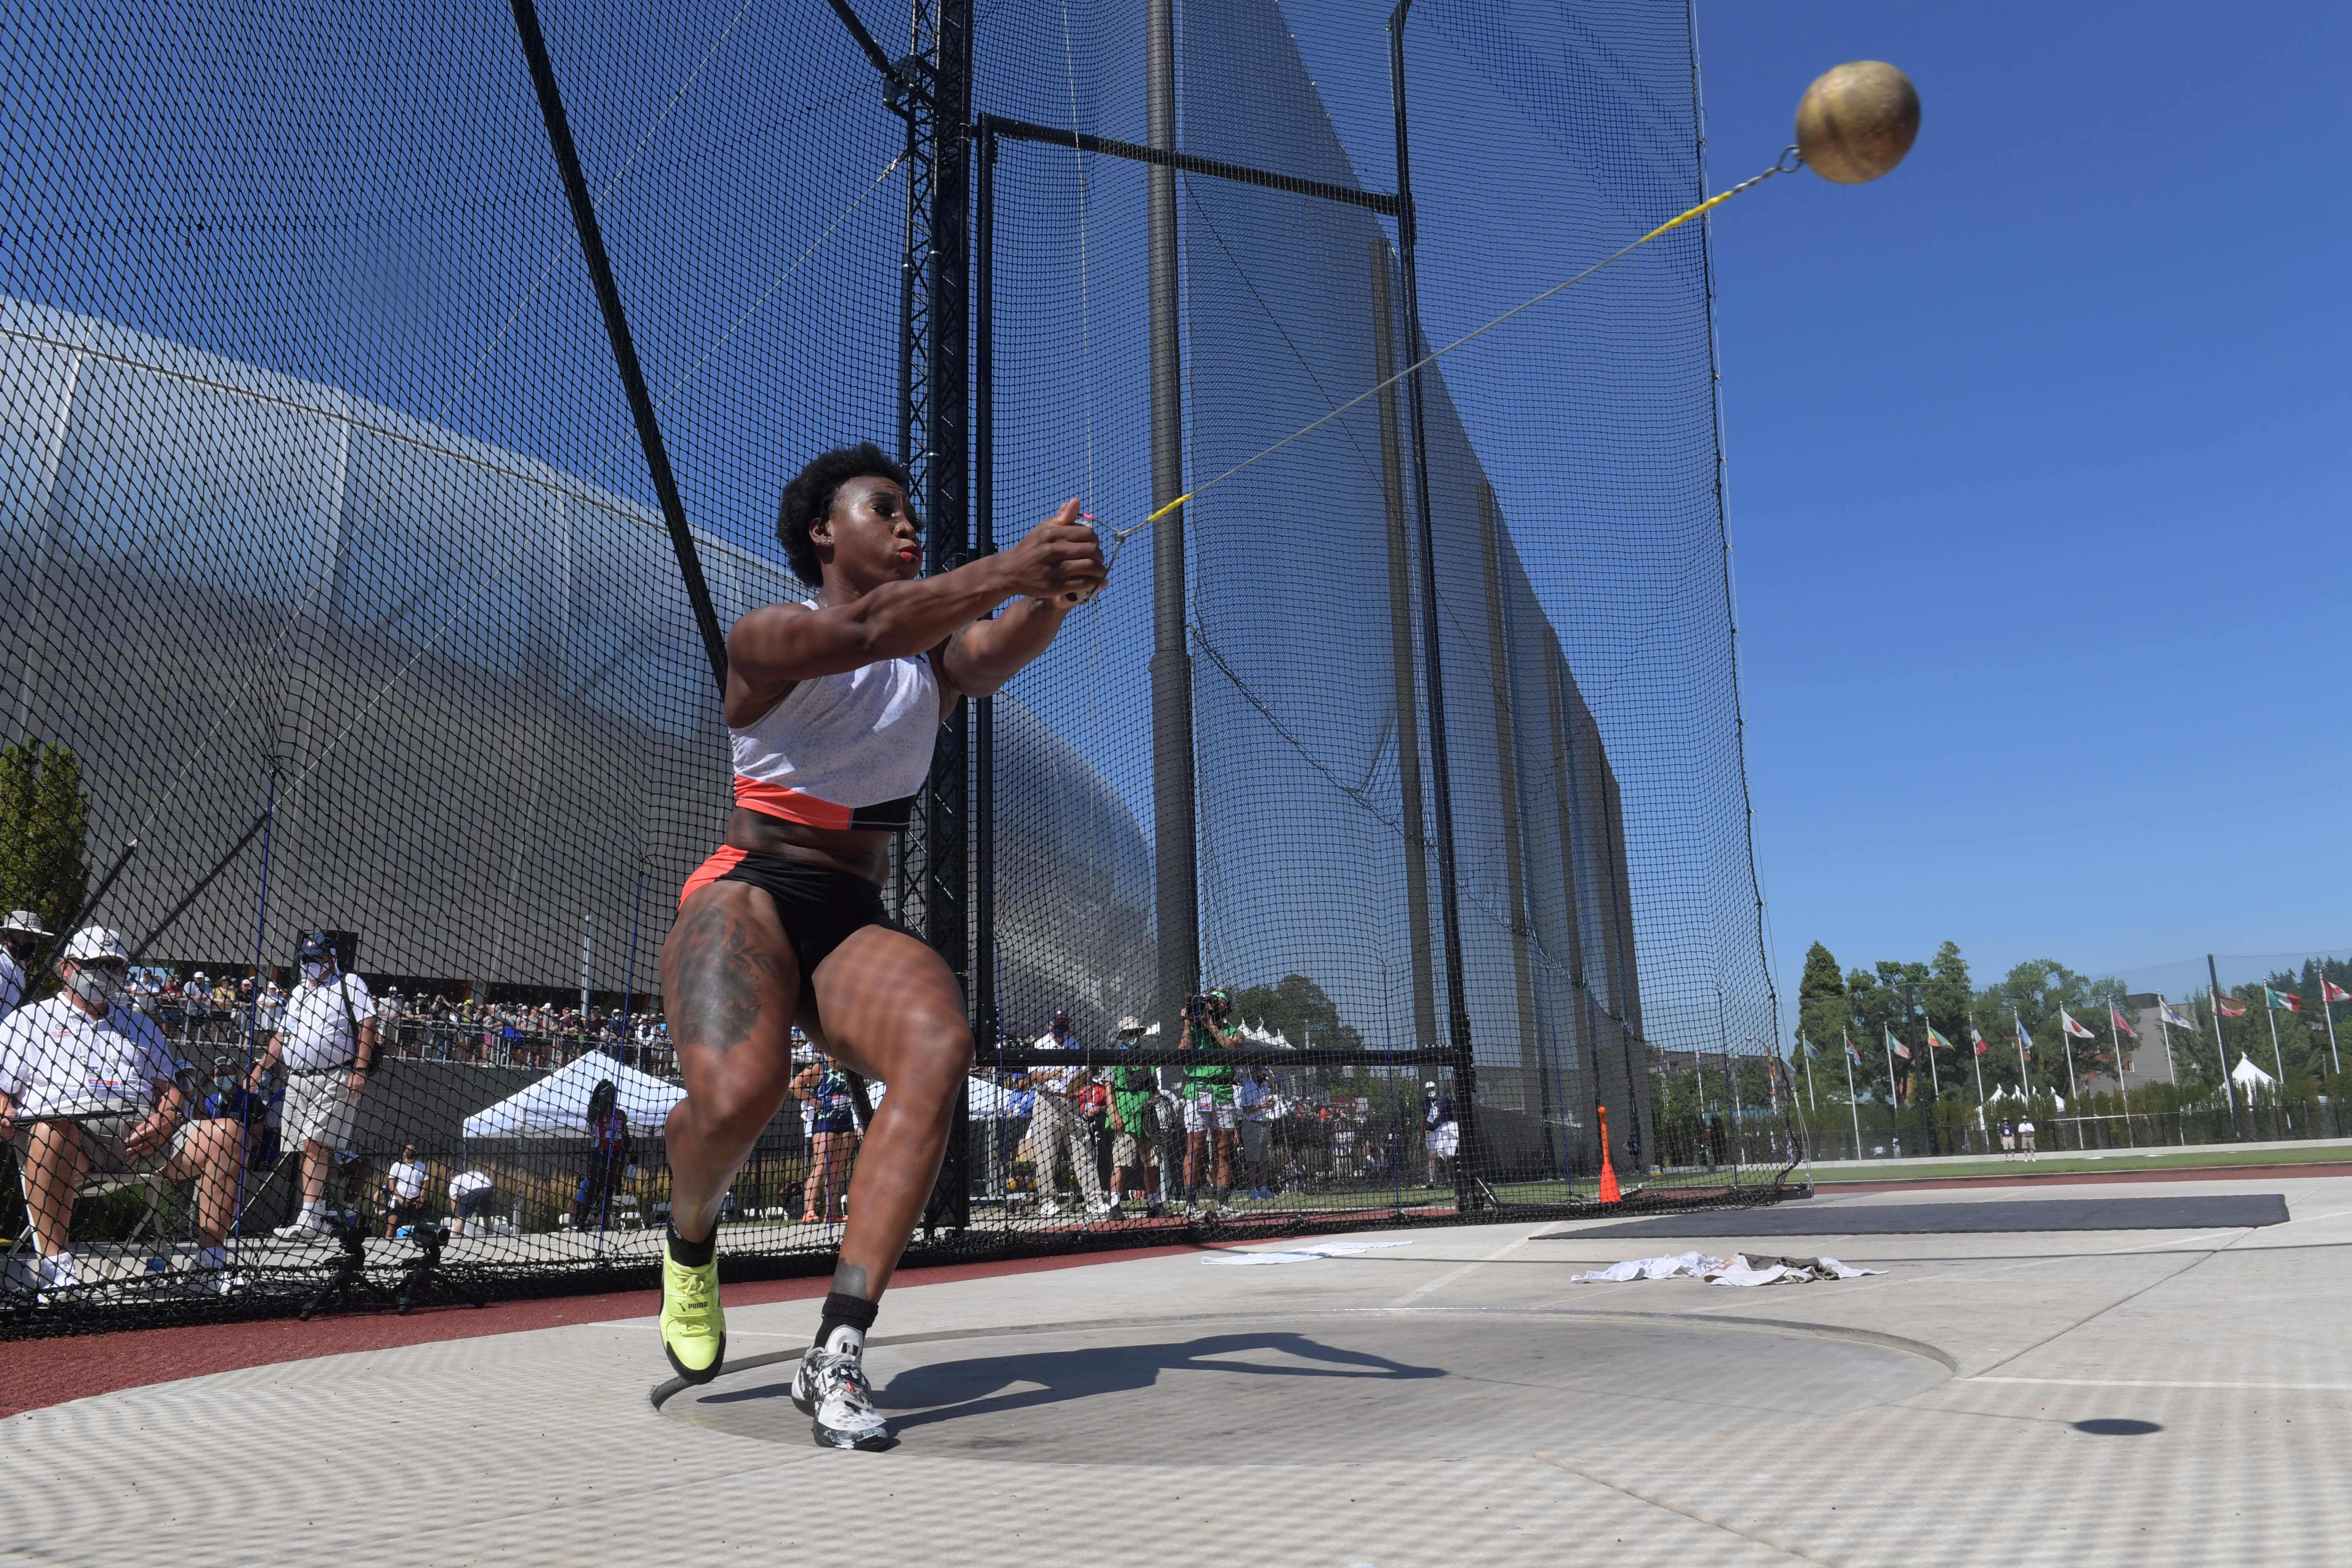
[616, 329]
[985, 1020]
[1405, 702]
[936, 339]
[1176, 862]
[1465, 1069]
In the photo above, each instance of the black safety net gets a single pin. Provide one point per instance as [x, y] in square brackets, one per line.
[362, 727]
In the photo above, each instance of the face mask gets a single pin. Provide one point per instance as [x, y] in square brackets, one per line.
[97, 986]
[314, 973]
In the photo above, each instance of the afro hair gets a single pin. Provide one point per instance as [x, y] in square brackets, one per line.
[810, 498]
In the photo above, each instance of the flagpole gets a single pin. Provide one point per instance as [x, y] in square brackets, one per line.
[1886, 1046]
[1852, 1105]
[2115, 1039]
[2221, 1044]
[2017, 1038]
[2269, 1012]
[2164, 1030]
[1935, 1078]
[1813, 1103]
[2073, 1084]
[2328, 1009]
[1976, 1059]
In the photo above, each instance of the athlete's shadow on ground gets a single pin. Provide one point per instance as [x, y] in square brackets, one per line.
[952, 1391]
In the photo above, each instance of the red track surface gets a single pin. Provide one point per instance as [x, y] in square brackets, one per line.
[34, 1372]
[2074, 1178]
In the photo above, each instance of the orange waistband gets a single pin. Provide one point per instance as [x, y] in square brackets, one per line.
[791, 805]
[725, 860]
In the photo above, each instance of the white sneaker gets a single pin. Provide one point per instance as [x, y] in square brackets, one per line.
[1106, 1210]
[840, 1400]
[1049, 1208]
[308, 1225]
[211, 1275]
[58, 1274]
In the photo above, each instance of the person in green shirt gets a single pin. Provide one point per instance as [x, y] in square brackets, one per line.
[1134, 1151]
[1209, 1119]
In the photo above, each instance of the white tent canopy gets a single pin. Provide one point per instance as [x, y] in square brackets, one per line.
[557, 1105]
[2250, 1075]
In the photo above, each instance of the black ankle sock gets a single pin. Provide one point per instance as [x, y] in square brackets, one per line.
[845, 1311]
[693, 1254]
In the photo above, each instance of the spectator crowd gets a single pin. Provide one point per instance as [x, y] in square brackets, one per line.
[204, 1072]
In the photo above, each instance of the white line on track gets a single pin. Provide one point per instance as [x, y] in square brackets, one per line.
[1442, 1281]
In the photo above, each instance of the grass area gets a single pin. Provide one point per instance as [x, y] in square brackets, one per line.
[2113, 1159]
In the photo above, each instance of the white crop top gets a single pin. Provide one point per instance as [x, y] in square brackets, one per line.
[842, 750]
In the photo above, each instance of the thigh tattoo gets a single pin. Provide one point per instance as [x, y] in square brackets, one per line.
[721, 971]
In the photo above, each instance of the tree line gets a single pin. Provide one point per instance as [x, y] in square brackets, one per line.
[1905, 1000]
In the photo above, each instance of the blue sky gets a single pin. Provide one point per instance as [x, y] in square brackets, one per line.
[2039, 461]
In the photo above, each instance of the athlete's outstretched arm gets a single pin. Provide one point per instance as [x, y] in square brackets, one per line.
[773, 647]
[983, 656]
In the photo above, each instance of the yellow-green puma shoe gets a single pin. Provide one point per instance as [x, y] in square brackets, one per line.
[693, 1323]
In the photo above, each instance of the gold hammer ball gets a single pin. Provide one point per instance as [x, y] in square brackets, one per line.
[1857, 121]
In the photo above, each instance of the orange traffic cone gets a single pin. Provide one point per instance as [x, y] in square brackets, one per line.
[1609, 1192]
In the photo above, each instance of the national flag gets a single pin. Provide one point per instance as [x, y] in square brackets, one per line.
[2122, 1024]
[2331, 992]
[1937, 1040]
[1852, 1053]
[2177, 1019]
[2282, 1001]
[1978, 1041]
[2079, 1030]
[2024, 1040]
[1898, 1046]
[2228, 1006]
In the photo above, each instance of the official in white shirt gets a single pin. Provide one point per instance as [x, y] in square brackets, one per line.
[326, 1040]
[471, 1194]
[20, 939]
[1057, 1128]
[87, 1087]
[404, 1192]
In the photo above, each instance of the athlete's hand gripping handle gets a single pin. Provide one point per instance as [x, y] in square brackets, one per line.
[1061, 558]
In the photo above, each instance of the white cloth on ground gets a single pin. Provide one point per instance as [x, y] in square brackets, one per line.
[1740, 1269]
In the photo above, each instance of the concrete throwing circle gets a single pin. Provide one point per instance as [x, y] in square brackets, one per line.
[1322, 1387]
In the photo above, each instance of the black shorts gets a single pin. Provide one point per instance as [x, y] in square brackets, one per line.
[818, 907]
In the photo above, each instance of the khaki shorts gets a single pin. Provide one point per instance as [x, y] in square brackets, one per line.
[1130, 1152]
[319, 1108]
[1208, 1116]
[102, 1145]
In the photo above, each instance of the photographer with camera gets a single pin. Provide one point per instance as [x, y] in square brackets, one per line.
[1209, 1117]
[326, 1039]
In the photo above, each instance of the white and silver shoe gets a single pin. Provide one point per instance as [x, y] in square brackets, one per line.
[301, 1227]
[831, 1387]
[57, 1275]
[212, 1275]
